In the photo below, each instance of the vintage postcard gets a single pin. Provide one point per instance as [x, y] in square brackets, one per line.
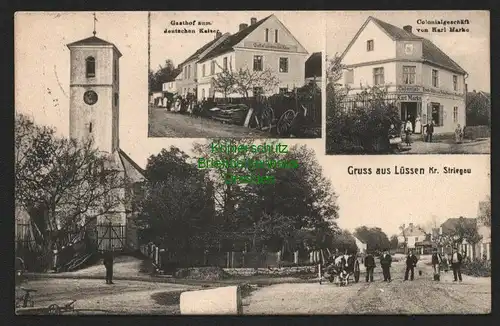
[413, 82]
[228, 211]
[235, 74]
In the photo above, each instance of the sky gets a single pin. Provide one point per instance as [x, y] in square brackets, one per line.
[178, 47]
[470, 50]
[42, 86]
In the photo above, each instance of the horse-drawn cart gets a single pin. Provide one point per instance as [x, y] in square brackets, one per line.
[340, 271]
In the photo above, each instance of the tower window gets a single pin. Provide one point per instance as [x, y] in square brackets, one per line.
[275, 36]
[90, 127]
[90, 67]
[267, 34]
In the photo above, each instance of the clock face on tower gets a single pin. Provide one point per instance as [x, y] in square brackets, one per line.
[90, 97]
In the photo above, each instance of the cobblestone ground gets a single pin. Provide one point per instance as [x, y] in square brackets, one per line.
[163, 123]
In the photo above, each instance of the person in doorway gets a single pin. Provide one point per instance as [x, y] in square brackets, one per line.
[418, 126]
[108, 264]
[456, 264]
[370, 266]
[429, 131]
[458, 134]
[436, 261]
[407, 134]
[385, 263]
[409, 125]
[411, 263]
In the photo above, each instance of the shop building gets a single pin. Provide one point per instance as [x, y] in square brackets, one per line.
[260, 45]
[424, 82]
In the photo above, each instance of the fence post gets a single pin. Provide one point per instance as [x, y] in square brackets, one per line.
[232, 258]
[296, 257]
[228, 260]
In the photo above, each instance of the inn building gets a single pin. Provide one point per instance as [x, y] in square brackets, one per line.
[424, 81]
[260, 45]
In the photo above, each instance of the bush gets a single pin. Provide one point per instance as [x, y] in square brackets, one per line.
[477, 267]
[361, 130]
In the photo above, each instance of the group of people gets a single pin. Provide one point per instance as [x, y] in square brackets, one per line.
[438, 261]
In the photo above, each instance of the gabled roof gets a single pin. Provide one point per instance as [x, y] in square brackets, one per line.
[412, 231]
[430, 52]
[228, 43]
[478, 97]
[313, 65]
[451, 224]
[201, 50]
[133, 171]
[93, 40]
[359, 239]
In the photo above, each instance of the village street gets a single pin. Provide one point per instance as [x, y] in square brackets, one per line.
[422, 296]
[482, 146]
[163, 123]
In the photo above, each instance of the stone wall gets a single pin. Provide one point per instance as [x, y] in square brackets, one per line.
[282, 271]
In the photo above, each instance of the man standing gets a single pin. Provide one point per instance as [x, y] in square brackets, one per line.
[370, 266]
[430, 131]
[436, 261]
[385, 262]
[108, 264]
[456, 263]
[411, 263]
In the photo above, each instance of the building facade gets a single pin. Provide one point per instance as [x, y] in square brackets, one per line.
[424, 82]
[413, 235]
[94, 113]
[361, 245]
[187, 80]
[256, 47]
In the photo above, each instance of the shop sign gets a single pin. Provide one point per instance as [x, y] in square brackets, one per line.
[271, 46]
[409, 98]
[410, 89]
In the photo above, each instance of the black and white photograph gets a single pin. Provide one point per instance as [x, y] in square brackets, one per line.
[408, 82]
[216, 218]
[235, 74]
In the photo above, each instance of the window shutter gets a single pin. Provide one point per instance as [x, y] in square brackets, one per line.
[441, 115]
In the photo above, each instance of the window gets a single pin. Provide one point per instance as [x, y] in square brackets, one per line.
[409, 73]
[115, 70]
[455, 83]
[224, 63]
[257, 63]
[437, 114]
[435, 78]
[257, 91]
[212, 68]
[90, 127]
[455, 114]
[283, 64]
[90, 67]
[275, 36]
[116, 99]
[267, 34]
[283, 90]
[203, 70]
[378, 76]
[189, 72]
[369, 45]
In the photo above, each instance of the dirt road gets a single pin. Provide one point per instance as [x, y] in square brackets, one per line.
[163, 123]
[475, 147]
[422, 296]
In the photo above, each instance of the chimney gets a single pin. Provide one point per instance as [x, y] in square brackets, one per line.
[253, 20]
[243, 26]
[218, 34]
[407, 28]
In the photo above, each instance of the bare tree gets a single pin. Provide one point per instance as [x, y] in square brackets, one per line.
[72, 185]
[402, 228]
[224, 82]
[485, 212]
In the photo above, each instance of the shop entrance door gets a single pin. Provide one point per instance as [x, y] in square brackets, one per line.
[409, 112]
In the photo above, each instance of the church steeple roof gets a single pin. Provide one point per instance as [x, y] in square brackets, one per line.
[93, 40]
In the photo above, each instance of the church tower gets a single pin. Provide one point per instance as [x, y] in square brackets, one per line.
[94, 92]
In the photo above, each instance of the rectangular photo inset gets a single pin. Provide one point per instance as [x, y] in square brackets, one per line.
[235, 74]
[408, 82]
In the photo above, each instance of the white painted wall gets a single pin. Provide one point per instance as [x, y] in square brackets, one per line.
[384, 46]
